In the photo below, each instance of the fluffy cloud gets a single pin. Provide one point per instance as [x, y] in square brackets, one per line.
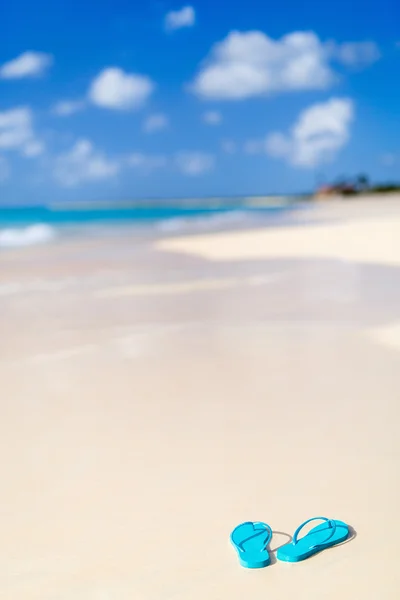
[15, 128]
[155, 122]
[115, 89]
[65, 108]
[17, 133]
[28, 64]
[4, 169]
[355, 54]
[252, 64]
[194, 163]
[229, 146]
[83, 163]
[186, 17]
[317, 136]
[212, 117]
[249, 64]
[146, 163]
[33, 148]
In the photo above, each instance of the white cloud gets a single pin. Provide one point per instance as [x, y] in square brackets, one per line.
[17, 133]
[83, 163]
[4, 169]
[355, 54]
[28, 64]
[249, 64]
[146, 163]
[212, 117]
[15, 128]
[229, 146]
[252, 64]
[186, 17]
[65, 108]
[33, 148]
[194, 163]
[155, 122]
[317, 136]
[115, 89]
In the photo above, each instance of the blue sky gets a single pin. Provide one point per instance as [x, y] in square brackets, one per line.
[103, 100]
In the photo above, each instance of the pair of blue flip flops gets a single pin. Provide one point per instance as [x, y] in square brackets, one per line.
[251, 540]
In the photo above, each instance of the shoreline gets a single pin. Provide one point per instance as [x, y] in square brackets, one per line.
[39, 232]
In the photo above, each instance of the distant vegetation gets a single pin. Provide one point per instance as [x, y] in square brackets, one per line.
[387, 187]
[357, 185]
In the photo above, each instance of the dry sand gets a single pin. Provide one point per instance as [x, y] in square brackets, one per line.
[155, 395]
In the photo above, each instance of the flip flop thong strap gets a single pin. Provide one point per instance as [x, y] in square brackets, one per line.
[332, 528]
[256, 533]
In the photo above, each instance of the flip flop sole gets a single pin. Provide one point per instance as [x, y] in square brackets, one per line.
[314, 542]
[250, 541]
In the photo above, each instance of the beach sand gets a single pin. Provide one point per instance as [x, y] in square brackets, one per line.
[156, 394]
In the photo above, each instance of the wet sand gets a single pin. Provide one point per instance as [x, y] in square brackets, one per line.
[155, 395]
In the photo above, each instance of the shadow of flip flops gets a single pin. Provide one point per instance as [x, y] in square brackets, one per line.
[283, 539]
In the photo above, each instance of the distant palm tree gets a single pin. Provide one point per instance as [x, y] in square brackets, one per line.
[362, 183]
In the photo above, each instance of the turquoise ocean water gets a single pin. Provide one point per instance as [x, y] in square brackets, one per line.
[22, 226]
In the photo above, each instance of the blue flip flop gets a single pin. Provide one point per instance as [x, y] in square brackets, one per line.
[251, 540]
[323, 536]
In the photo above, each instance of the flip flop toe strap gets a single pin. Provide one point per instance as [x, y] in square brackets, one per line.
[332, 528]
[257, 532]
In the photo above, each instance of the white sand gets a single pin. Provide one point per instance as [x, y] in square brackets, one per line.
[151, 402]
[371, 240]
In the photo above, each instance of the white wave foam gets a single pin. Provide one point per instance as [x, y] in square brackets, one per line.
[26, 236]
[204, 221]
